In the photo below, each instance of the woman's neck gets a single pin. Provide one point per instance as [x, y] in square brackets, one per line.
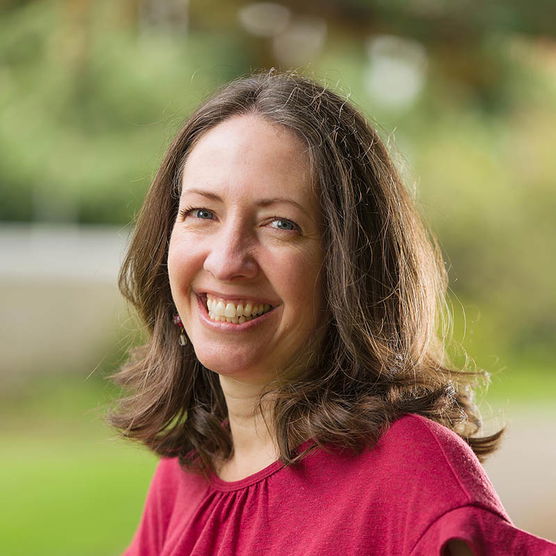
[254, 444]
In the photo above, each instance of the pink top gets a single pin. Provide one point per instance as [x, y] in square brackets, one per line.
[419, 487]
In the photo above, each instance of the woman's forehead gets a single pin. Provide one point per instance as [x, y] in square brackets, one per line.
[249, 135]
[249, 153]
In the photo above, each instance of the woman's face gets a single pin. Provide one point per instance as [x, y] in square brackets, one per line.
[247, 242]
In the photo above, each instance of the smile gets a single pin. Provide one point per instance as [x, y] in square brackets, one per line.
[235, 312]
[220, 310]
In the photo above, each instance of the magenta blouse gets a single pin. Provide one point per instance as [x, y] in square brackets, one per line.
[418, 488]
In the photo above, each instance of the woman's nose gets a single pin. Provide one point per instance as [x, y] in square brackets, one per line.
[230, 255]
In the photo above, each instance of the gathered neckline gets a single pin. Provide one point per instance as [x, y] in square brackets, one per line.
[227, 486]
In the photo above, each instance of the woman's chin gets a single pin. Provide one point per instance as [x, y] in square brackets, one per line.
[233, 366]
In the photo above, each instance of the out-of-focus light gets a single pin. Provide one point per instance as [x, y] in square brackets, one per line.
[264, 19]
[396, 72]
[301, 42]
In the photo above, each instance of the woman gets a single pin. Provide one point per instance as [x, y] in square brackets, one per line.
[293, 380]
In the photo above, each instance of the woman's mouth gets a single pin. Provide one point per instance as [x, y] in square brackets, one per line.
[237, 313]
[233, 311]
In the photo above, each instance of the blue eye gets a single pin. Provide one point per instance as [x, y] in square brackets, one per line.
[203, 213]
[200, 213]
[284, 224]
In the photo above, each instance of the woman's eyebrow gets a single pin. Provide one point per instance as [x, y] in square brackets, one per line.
[260, 202]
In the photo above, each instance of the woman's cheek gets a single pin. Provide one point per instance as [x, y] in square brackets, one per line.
[181, 265]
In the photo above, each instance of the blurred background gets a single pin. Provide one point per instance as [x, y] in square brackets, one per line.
[91, 93]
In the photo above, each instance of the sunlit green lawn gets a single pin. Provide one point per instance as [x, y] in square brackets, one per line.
[69, 487]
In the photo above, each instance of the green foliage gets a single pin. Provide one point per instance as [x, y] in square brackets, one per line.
[87, 112]
[484, 179]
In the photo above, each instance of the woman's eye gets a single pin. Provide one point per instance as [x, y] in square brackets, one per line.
[201, 213]
[284, 224]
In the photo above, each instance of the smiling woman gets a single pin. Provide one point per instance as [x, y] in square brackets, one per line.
[294, 382]
[246, 253]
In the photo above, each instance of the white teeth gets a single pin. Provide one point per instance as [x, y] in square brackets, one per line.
[230, 310]
[226, 311]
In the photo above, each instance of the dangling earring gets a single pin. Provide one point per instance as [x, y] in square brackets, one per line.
[177, 321]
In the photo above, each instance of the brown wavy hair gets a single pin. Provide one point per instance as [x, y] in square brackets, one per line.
[383, 353]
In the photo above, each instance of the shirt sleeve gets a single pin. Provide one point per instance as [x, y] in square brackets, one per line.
[485, 532]
[149, 537]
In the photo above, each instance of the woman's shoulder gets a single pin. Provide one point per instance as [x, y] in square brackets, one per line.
[422, 439]
[170, 481]
[164, 482]
[416, 465]
[167, 471]
[421, 436]
[434, 459]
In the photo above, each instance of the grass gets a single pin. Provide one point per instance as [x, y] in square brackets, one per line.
[67, 496]
[69, 486]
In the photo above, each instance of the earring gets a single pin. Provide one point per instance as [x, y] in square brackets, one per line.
[177, 321]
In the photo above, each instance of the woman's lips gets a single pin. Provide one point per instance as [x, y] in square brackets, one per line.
[229, 326]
